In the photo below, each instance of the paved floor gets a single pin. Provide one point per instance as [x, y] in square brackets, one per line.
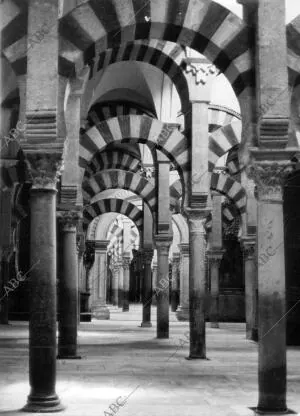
[148, 377]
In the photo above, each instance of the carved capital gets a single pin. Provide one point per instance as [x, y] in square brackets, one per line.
[163, 244]
[215, 257]
[184, 249]
[147, 256]
[201, 71]
[69, 219]
[269, 178]
[196, 220]
[44, 169]
[249, 249]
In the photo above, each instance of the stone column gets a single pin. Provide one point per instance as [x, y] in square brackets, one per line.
[183, 311]
[174, 288]
[163, 246]
[115, 283]
[6, 255]
[126, 268]
[99, 307]
[68, 288]
[250, 270]
[197, 282]
[269, 177]
[44, 168]
[154, 280]
[215, 258]
[120, 285]
[147, 288]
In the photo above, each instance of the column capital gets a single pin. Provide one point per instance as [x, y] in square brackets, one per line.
[248, 247]
[44, 164]
[163, 243]
[269, 177]
[184, 249]
[69, 219]
[176, 257]
[200, 69]
[215, 256]
[101, 245]
[147, 255]
[196, 219]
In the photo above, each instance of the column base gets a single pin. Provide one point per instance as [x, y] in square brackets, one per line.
[182, 314]
[259, 411]
[101, 312]
[47, 404]
[194, 357]
[252, 335]
[68, 357]
[146, 325]
[162, 336]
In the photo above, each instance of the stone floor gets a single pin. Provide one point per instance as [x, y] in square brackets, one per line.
[149, 377]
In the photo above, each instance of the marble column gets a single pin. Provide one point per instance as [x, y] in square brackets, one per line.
[183, 311]
[42, 325]
[115, 283]
[99, 307]
[121, 285]
[174, 284]
[68, 288]
[269, 177]
[163, 246]
[215, 258]
[154, 280]
[126, 268]
[197, 283]
[147, 288]
[250, 273]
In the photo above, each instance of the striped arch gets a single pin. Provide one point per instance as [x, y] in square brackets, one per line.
[222, 183]
[114, 159]
[222, 140]
[232, 161]
[293, 49]
[229, 187]
[120, 206]
[228, 215]
[143, 129]
[104, 111]
[142, 52]
[220, 116]
[120, 179]
[205, 26]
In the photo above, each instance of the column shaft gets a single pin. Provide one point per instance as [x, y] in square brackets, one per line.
[183, 311]
[126, 268]
[147, 288]
[42, 326]
[68, 291]
[197, 285]
[121, 286]
[162, 289]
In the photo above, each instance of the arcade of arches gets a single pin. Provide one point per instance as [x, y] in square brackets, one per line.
[150, 166]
